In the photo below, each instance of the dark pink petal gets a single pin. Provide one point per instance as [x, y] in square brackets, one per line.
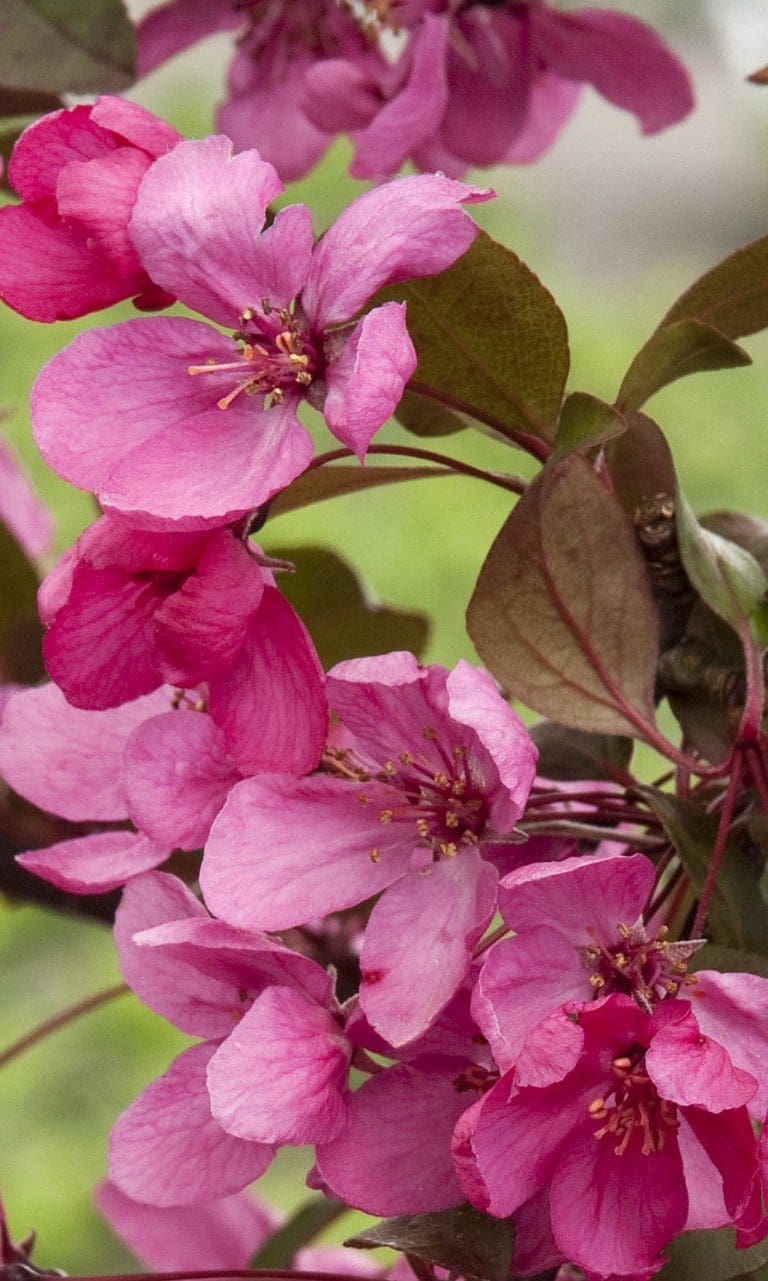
[522, 981]
[730, 1143]
[270, 702]
[408, 227]
[366, 383]
[585, 899]
[615, 1213]
[82, 752]
[551, 103]
[100, 649]
[167, 1149]
[474, 701]
[284, 850]
[197, 223]
[412, 116]
[692, 1070]
[26, 516]
[49, 144]
[201, 627]
[491, 71]
[48, 272]
[339, 95]
[281, 1076]
[224, 1233]
[135, 124]
[177, 775]
[98, 195]
[623, 58]
[169, 28]
[733, 1009]
[418, 943]
[213, 467]
[95, 864]
[394, 1157]
[535, 1247]
[255, 116]
[518, 1142]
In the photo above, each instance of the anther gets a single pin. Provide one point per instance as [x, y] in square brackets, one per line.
[374, 855]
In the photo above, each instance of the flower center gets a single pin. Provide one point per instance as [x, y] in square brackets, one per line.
[636, 1109]
[272, 358]
[647, 969]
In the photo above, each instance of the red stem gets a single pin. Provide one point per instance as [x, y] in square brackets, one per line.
[532, 444]
[726, 814]
[513, 484]
[279, 1274]
[60, 1020]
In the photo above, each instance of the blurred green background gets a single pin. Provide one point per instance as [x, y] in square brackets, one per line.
[616, 227]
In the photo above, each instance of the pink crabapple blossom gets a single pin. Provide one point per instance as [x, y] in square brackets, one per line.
[208, 426]
[129, 610]
[21, 511]
[271, 1067]
[65, 250]
[425, 775]
[636, 1124]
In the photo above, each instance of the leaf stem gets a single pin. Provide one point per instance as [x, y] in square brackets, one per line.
[531, 444]
[723, 827]
[587, 832]
[276, 1274]
[48, 1026]
[514, 484]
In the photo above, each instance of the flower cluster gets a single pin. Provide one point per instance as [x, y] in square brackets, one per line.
[521, 1032]
[446, 84]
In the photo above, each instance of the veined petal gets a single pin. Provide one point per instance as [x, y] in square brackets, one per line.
[94, 864]
[366, 383]
[172, 27]
[583, 899]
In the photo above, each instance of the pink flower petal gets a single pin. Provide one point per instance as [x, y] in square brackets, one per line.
[394, 1157]
[408, 227]
[49, 144]
[692, 1070]
[177, 775]
[167, 1149]
[582, 898]
[624, 59]
[94, 864]
[172, 27]
[99, 195]
[134, 123]
[706, 1207]
[255, 116]
[733, 1009]
[366, 383]
[298, 848]
[551, 103]
[730, 1143]
[197, 223]
[281, 1075]
[614, 1214]
[224, 1233]
[25, 515]
[270, 702]
[418, 943]
[82, 751]
[491, 71]
[389, 704]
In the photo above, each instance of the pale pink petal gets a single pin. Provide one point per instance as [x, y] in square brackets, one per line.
[366, 383]
[167, 1149]
[394, 1157]
[49, 144]
[733, 1009]
[197, 224]
[706, 1207]
[82, 752]
[552, 1048]
[510, 754]
[25, 515]
[408, 227]
[177, 775]
[170, 28]
[281, 1076]
[614, 1214]
[390, 705]
[94, 864]
[418, 943]
[729, 1141]
[522, 981]
[134, 123]
[412, 116]
[298, 848]
[582, 898]
[224, 1233]
[692, 1070]
[623, 58]
[270, 702]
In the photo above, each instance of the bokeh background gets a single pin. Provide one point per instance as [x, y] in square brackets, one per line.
[616, 227]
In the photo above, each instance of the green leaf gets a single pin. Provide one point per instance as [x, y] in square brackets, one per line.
[336, 481]
[737, 913]
[750, 532]
[728, 960]
[464, 1241]
[562, 613]
[491, 342]
[712, 1256]
[342, 619]
[425, 417]
[21, 632]
[569, 755]
[58, 46]
[726, 576]
[307, 1223]
[732, 298]
[685, 347]
[585, 423]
